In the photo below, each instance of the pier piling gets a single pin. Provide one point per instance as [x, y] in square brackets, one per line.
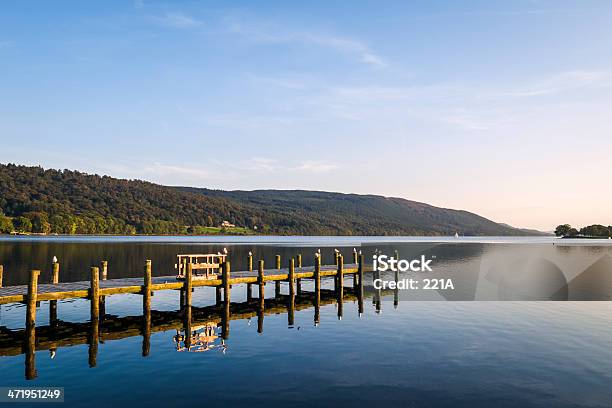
[188, 284]
[340, 279]
[146, 309]
[292, 277]
[146, 288]
[277, 284]
[298, 281]
[1, 274]
[317, 279]
[55, 270]
[262, 300]
[225, 277]
[94, 294]
[104, 271]
[250, 285]
[30, 346]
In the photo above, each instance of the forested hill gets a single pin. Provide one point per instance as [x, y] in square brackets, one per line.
[68, 202]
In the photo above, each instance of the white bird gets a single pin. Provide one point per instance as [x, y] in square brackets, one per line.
[250, 253]
[336, 251]
[225, 251]
[55, 259]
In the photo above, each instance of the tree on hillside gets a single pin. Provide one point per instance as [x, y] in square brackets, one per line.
[22, 224]
[6, 224]
[40, 222]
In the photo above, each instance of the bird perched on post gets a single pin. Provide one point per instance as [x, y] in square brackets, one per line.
[54, 259]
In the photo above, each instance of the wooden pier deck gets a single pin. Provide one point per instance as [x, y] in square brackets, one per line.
[81, 289]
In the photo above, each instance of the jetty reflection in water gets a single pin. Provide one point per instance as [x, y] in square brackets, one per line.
[197, 329]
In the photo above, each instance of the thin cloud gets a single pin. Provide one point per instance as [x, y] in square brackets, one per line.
[564, 81]
[315, 167]
[340, 44]
[176, 20]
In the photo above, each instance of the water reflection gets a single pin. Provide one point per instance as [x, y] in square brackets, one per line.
[197, 329]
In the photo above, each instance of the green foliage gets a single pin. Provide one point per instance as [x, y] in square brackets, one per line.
[596, 231]
[6, 224]
[70, 202]
[22, 224]
[40, 222]
[563, 230]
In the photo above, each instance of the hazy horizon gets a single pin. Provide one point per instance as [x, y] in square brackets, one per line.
[497, 109]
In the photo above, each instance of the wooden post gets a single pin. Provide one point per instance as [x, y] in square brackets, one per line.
[188, 283]
[336, 281]
[1, 273]
[104, 265]
[354, 256]
[146, 288]
[360, 287]
[146, 333]
[360, 273]
[30, 363]
[317, 279]
[94, 294]
[103, 276]
[298, 281]
[250, 285]
[277, 284]
[55, 270]
[262, 301]
[292, 277]
[340, 277]
[340, 273]
[226, 278]
[260, 280]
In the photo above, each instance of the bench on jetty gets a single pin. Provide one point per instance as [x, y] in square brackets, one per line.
[211, 264]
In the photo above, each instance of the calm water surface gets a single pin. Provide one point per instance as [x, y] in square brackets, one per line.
[436, 349]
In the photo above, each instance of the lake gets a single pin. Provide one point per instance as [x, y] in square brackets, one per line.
[527, 324]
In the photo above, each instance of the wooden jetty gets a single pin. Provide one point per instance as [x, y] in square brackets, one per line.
[96, 289]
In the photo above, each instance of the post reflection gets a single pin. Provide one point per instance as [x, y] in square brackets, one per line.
[196, 329]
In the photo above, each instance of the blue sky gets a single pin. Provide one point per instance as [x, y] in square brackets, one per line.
[500, 108]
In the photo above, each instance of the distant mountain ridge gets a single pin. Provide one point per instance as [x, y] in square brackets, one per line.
[54, 201]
